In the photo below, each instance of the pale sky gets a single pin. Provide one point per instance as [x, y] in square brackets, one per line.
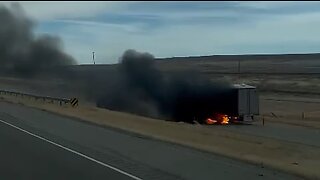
[167, 29]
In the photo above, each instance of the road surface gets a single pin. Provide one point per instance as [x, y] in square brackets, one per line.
[36, 144]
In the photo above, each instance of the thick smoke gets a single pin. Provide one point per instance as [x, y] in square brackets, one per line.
[143, 89]
[21, 52]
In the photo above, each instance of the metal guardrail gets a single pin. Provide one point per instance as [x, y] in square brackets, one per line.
[44, 98]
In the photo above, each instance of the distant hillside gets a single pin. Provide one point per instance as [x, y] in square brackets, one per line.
[262, 63]
[268, 63]
[312, 56]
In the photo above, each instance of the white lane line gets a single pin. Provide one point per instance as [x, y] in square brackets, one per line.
[73, 151]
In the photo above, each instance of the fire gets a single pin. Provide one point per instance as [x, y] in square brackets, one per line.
[218, 118]
[225, 119]
[211, 121]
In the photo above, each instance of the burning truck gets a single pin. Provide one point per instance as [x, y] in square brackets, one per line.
[245, 107]
[138, 86]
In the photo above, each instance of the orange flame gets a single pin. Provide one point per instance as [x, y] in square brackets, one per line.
[218, 118]
[225, 119]
[211, 121]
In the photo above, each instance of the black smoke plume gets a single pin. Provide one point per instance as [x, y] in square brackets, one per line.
[21, 51]
[143, 89]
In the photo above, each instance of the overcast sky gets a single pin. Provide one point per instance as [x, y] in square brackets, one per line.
[167, 29]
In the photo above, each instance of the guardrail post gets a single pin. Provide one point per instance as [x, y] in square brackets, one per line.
[46, 99]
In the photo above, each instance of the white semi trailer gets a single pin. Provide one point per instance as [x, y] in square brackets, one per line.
[247, 102]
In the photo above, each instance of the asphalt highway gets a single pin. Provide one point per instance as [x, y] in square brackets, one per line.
[36, 144]
[24, 156]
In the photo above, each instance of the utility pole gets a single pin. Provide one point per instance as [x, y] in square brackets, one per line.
[239, 70]
[93, 58]
[239, 66]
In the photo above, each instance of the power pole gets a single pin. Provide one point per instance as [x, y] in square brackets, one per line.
[239, 66]
[239, 70]
[93, 58]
